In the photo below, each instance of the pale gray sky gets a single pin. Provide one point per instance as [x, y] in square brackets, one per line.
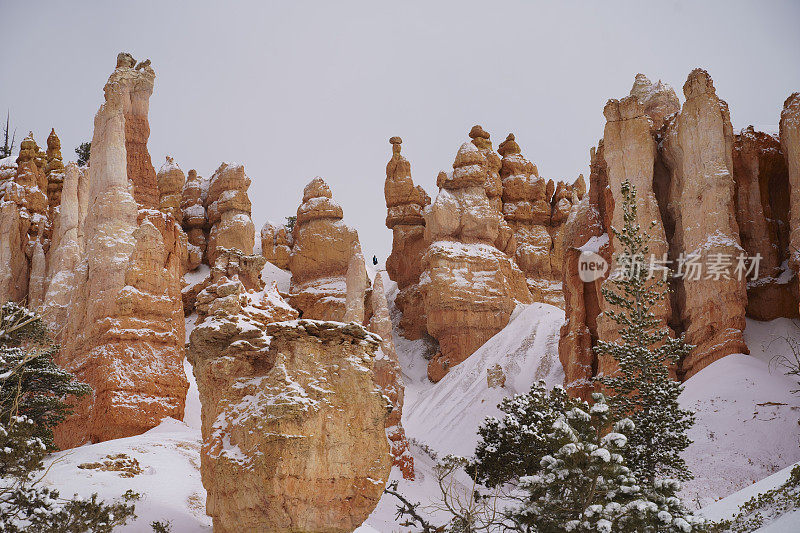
[299, 89]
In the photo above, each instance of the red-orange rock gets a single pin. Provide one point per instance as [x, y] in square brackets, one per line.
[698, 150]
[469, 286]
[195, 218]
[389, 377]
[790, 145]
[292, 422]
[321, 256]
[406, 204]
[762, 212]
[228, 207]
[125, 330]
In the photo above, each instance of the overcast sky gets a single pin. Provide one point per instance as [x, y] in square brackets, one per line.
[300, 89]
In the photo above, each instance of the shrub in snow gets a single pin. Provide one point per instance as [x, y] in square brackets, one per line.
[760, 510]
[32, 394]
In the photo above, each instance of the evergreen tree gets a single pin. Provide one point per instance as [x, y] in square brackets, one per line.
[642, 388]
[8, 148]
[33, 391]
[514, 446]
[585, 486]
[83, 152]
[558, 465]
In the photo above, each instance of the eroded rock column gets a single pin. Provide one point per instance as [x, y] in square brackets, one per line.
[292, 421]
[405, 203]
[790, 143]
[125, 329]
[469, 286]
[698, 148]
[321, 256]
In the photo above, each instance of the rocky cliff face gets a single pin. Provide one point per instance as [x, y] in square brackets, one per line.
[293, 424]
[762, 212]
[124, 331]
[712, 197]
[790, 144]
[389, 378]
[491, 238]
[536, 216]
[585, 231]
[698, 151]
[629, 150]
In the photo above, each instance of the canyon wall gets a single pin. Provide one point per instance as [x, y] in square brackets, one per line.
[705, 195]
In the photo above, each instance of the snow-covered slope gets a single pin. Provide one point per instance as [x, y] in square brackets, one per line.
[447, 415]
[444, 417]
[747, 418]
[746, 425]
[729, 506]
[170, 486]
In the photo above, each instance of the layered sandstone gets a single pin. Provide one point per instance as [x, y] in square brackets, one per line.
[195, 218]
[54, 170]
[406, 203]
[702, 193]
[136, 81]
[658, 99]
[276, 244]
[23, 219]
[630, 152]
[125, 330]
[536, 216]
[292, 422]
[65, 252]
[389, 378]
[171, 182]
[469, 286]
[321, 257]
[585, 231]
[228, 207]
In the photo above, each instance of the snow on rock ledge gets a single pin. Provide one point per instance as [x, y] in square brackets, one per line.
[292, 422]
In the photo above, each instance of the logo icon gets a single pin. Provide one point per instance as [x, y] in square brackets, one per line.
[591, 266]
